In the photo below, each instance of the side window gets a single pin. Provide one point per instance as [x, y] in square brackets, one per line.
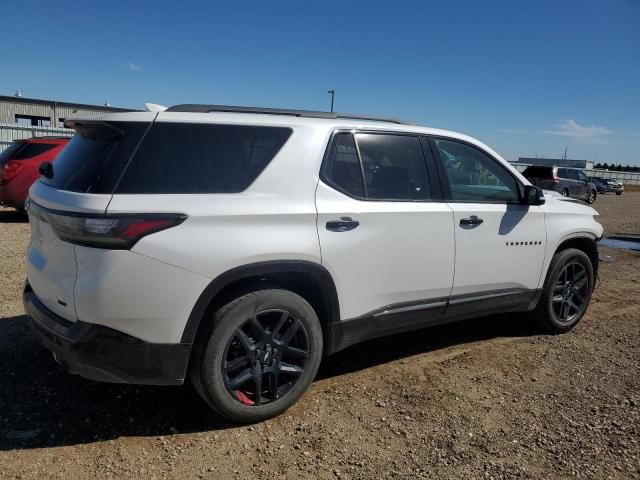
[201, 158]
[343, 168]
[562, 173]
[572, 174]
[394, 167]
[582, 176]
[474, 176]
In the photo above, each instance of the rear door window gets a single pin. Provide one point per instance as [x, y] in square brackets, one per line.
[394, 167]
[201, 158]
[573, 174]
[562, 173]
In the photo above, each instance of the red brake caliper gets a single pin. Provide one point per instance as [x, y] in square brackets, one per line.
[243, 398]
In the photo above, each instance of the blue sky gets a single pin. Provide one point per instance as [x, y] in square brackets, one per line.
[527, 77]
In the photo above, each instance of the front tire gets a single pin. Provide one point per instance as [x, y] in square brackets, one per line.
[591, 197]
[566, 292]
[258, 356]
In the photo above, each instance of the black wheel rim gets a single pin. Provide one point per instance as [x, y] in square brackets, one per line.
[570, 293]
[265, 357]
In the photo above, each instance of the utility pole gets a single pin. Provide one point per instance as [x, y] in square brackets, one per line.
[564, 156]
[333, 94]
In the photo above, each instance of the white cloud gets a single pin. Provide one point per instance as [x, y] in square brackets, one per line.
[135, 67]
[570, 128]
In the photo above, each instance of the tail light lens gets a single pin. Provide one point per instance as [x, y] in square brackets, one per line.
[115, 232]
[555, 179]
[10, 170]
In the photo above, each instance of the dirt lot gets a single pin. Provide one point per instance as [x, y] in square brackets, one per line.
[487, 398]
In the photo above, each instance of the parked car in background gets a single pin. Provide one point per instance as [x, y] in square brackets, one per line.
[615, 186]
[237, 246]
[569, 182]
[601, 184]
[19, 167]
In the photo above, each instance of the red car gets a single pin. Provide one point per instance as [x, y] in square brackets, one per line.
[19, 167]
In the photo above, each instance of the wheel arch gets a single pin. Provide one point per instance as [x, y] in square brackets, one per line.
[310, 280]
[584, 242]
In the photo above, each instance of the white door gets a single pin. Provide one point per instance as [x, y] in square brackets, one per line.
[387, 245]
[500, 243]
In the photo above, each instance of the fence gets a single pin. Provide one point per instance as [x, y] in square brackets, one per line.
[627, 178]
[11, 131]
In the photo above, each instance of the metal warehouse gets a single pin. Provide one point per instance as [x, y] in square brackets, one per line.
[29, 117]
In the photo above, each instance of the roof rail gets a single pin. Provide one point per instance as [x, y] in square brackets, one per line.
[197, 108]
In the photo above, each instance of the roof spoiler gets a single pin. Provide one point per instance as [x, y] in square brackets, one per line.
[154, 107]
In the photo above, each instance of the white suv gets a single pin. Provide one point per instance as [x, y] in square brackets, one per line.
[240, 245]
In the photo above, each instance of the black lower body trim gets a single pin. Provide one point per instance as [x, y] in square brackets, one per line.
[409, 316]
[103, 354]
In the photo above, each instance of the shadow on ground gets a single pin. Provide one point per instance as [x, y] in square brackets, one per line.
[43, 406]
[13, 216]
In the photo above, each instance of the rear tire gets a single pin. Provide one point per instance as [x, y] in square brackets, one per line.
[566, 292]
[565, 193]
[258, 356]
[618, 193]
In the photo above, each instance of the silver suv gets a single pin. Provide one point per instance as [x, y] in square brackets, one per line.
[570, 182]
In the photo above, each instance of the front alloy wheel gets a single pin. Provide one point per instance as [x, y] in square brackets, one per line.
[570, 293]
[566, 292]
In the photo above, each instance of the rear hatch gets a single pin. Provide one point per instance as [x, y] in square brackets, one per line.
[542, 177]
[83, 178]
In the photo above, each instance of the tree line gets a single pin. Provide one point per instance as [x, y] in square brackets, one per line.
[616, 168]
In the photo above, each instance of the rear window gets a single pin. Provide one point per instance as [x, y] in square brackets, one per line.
[538, 172]
[10, 151]
[33, 150]
[201, 158]
[94, 159]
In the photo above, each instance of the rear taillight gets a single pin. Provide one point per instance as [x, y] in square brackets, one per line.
[555, 179]
[10, 170]
[116, 232]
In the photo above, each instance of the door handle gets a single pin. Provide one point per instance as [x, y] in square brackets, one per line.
[343, 225]
[471, 221]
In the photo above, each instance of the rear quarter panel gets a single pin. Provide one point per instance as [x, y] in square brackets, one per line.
[274, 219]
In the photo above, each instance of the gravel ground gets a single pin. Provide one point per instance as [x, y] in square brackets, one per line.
[488, 398]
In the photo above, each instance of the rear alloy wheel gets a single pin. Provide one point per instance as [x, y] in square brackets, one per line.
[591, 197]
[265, 357]
[566, 293]
[259, 356]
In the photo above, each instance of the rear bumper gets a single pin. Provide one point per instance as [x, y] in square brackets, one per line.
[103, 354]
[7, 200]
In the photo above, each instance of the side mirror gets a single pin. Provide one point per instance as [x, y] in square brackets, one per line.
[532, 195]
[46, 169]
